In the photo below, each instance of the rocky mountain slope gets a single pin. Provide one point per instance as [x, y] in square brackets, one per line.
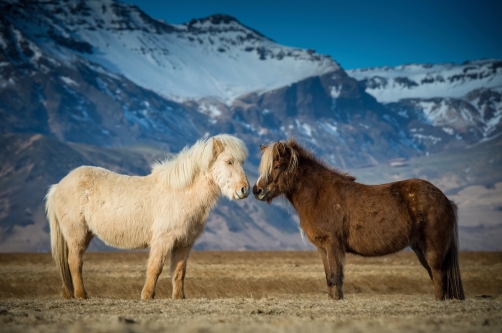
[99, 82]
[463, 100]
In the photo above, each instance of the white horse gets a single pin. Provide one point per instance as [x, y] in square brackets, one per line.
[165, 210]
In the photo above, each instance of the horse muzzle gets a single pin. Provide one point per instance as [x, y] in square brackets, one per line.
[260, 193]
[242, 193]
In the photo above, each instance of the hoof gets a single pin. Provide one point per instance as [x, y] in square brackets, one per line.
[65, 294]
[81, 296]
[182, 296]
[146, 296]
[335, 297]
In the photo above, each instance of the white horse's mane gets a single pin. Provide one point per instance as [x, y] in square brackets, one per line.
[268, 155]
[180, 170]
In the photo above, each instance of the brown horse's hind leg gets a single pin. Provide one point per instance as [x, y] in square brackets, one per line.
[179, 257]
[435, 263]
[432, 260]
[436, 242]
[434, 255]
[333, 258]
[421, 257]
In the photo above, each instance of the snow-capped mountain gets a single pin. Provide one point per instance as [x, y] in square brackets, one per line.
[78, 62]
[457, 98]
[213, 57]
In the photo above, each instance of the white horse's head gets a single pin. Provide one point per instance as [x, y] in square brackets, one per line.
[221, 158]
[227, 169]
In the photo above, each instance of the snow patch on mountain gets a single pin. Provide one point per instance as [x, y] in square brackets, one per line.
[391, 84]
[461, 99]
[215, 57]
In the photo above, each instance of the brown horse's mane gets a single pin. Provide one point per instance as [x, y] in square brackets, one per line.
[297, 152]
[310, 154]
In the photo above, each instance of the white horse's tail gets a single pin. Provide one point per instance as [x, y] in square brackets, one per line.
[59, 246]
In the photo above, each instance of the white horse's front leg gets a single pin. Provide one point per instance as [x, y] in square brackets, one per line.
[156, 261]
[179, 257]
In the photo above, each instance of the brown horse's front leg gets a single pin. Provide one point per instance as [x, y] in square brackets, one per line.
[332, 258]
[179, 257]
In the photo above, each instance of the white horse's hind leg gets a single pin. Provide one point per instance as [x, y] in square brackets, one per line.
[156, 261]
[179, 257]
[76, 249]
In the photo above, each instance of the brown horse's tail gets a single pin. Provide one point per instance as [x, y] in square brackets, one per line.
[59, 246]
[453, 288]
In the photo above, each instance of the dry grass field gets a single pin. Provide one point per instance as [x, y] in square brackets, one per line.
[249, 292]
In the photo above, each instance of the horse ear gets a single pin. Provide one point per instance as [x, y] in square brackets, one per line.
[263, 147]
[281, 148]
[217, 147]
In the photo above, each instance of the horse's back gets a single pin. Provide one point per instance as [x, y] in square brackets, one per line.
[74, 188]
[416, 197]
[84, 177]
[65, 194]
[422, 201]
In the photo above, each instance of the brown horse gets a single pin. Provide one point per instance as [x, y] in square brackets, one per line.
[339, 215]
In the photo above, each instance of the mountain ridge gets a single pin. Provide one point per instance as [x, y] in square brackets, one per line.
[168, 59]
[458, 98]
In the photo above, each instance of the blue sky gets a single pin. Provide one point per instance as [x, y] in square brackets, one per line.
[360, 33]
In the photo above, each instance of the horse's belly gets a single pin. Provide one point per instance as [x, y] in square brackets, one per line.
[122, 234]
[371, 240]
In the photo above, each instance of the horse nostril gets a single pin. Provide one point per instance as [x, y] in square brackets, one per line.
[260, 191]
[243, 190]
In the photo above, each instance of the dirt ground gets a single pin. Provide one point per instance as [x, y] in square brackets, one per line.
[249, 292]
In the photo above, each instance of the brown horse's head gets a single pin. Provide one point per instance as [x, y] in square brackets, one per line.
[277, 166]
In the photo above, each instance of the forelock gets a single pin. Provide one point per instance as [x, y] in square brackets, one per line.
[269, 154]
[233, 146]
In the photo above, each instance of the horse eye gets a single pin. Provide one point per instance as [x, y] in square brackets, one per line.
[229, 162]
[277, 166]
